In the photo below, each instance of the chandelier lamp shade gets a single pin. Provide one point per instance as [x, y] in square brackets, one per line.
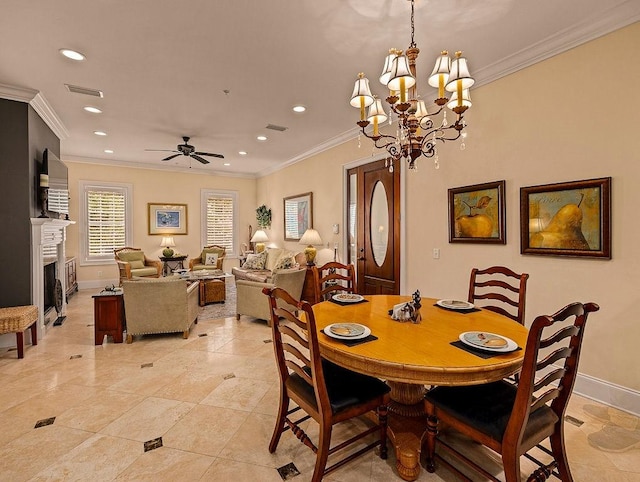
[417, 131]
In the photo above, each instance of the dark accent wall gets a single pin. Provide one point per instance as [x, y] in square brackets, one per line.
[23, 138]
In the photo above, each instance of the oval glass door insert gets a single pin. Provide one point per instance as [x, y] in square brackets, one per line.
[379, 223]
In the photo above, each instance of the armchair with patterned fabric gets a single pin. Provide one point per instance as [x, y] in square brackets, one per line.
[215, 252]
[133, 262]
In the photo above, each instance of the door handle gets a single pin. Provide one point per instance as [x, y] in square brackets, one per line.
[361, 258]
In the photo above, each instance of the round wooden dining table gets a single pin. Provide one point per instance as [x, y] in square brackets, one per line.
[410, 356]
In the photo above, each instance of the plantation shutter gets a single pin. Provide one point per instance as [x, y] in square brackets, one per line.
[219, 222]
[106, 224]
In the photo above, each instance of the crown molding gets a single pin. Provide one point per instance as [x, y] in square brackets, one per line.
[160, 167]
[36, 100]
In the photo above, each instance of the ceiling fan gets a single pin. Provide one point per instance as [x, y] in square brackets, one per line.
[187, 150]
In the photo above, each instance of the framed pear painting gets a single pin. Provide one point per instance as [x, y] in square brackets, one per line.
[567, 219]
[477, 213]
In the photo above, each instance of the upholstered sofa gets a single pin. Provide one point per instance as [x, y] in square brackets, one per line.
[200, 262]
[165, 305]
[132, 262]
[252, 302]
[260, 267]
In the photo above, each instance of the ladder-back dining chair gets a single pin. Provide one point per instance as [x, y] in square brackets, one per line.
[333, 277]
[511, 419]
[326, 392]
[504, 289]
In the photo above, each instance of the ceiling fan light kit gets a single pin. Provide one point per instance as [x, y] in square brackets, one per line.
[188, 150]
[417, 133]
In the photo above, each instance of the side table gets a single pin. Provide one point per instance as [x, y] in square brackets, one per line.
[108, 316]
[172, 263]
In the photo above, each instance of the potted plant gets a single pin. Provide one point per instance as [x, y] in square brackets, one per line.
[263, 216]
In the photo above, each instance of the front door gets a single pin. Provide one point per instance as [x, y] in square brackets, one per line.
[374, 227]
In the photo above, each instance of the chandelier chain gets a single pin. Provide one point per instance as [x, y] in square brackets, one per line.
[413, 43]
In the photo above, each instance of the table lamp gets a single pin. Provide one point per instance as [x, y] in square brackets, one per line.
[260, 237]
[167, 243]
[311, 238]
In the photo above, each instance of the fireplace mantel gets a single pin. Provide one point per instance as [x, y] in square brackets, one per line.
[47, 232]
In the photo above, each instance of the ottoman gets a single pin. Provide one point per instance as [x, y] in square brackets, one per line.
[212, 291]
[16, 319]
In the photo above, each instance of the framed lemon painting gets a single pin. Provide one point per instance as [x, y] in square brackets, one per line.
[567, 219]
[477, 214]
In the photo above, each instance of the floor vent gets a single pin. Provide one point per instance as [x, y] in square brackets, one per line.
[84, 90]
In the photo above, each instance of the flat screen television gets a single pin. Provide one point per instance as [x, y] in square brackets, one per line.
[58, 194]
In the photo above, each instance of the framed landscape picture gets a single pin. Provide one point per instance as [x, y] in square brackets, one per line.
[477, 213]
[167, 218]
[298, 215]
[567, 219]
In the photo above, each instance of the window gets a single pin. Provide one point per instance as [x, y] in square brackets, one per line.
[219, 225]
[105, 215]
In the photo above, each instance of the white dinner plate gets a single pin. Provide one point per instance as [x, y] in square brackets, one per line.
[478, 339]
[366, 331]
[455, 305]
[347, 298]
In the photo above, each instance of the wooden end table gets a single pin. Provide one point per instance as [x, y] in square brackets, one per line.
[108, 316]
[172, 263]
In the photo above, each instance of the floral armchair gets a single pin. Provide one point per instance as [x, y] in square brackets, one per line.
[132, 262]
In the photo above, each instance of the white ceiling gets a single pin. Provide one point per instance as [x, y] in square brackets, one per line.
[164, 66]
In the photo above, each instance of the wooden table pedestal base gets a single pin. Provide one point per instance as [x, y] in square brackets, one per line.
[407, 424]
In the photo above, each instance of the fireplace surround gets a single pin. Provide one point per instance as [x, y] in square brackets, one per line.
[47, 232]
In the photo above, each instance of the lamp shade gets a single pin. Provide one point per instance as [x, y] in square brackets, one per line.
[459, 73]
[421, 110]
[376, 112]
[311, 237]
[385, 77]
[260, 237]
[361, 92]
[466, 99]
[440, 70]
[167, 242]
[400, 72]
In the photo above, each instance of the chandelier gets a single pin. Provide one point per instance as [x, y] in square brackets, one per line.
[417, 133]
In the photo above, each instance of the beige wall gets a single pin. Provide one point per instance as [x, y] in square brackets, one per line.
[157, 187]
[560, 120]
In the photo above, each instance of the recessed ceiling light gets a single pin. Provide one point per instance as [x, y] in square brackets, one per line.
[242, 153]
[100, 133]
[108, 151]
[72, 54]
[93, 110]
[299, 108]
[227, 164]
[262, 138]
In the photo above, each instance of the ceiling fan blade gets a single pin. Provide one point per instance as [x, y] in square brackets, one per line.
[161, 150]
[209, 154]
[171, 157]
[199, 159]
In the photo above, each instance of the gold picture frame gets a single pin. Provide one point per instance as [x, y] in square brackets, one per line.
[167, 219]
[567, 219]
[477, 214]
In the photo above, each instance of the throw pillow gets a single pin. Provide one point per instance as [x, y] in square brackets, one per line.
[286, 261]
[136, 264]
[255, 261]
[211, 259]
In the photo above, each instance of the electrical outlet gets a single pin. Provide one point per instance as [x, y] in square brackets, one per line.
[436, 253]
[336, 229]
[99, 274]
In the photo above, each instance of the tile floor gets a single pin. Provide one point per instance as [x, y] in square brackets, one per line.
[212, 401]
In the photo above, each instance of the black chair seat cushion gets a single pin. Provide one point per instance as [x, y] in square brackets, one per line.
[488, 407]
[344, 387]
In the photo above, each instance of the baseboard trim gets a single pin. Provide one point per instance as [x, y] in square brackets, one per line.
[608, 393]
